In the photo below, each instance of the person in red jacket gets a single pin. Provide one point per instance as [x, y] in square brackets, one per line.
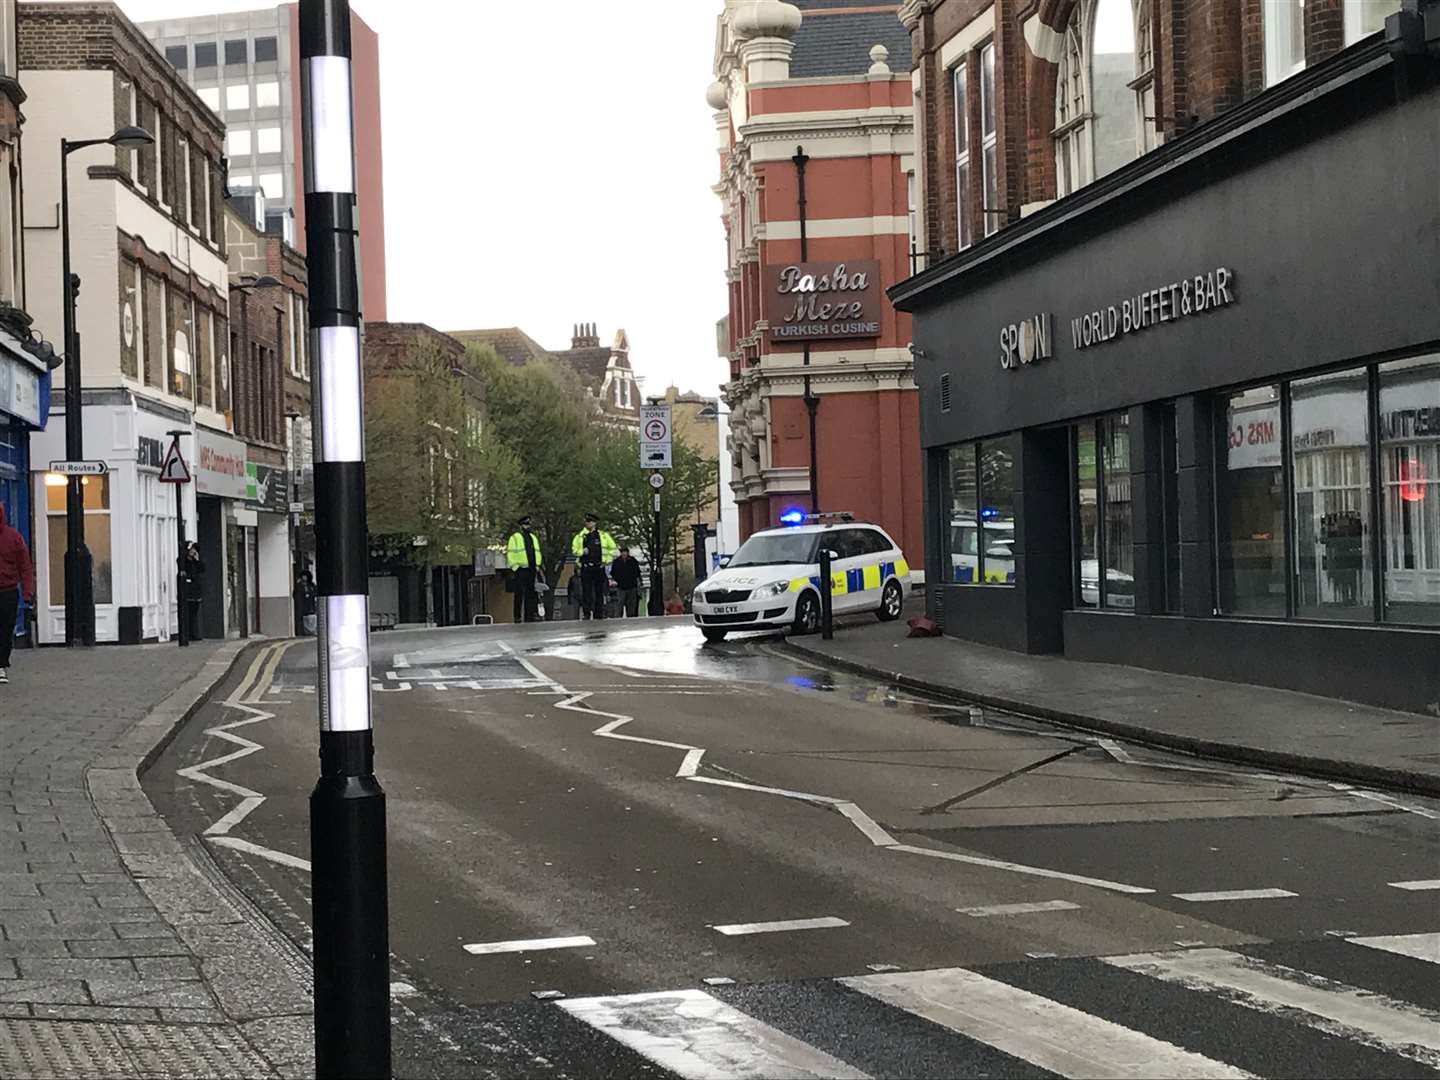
[17, 578]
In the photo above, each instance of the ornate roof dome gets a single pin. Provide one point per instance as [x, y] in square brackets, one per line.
[765, 18]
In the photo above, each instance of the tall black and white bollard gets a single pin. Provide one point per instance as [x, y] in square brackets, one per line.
[347, 807]
[827, 589]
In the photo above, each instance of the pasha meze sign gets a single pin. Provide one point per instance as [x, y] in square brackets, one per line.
[817, 300]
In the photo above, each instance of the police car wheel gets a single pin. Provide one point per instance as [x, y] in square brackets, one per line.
[713, 634]
[807, 614]
[892, 600]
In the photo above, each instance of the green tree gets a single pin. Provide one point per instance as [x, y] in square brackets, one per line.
[624, 499]
[542, 416]
[439, 484]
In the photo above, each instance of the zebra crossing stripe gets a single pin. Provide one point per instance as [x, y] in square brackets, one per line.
[1324, 1004]
[695, 1035]
[1420, 946]
[1045, 1033]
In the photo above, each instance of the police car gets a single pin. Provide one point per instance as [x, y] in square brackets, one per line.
[773, 581]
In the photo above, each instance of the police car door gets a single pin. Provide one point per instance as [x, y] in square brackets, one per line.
[849, 568]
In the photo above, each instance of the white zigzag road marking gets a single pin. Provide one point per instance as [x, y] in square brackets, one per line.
[246, 697]
[872, 829]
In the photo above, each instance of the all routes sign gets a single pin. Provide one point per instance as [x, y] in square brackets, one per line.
[79, 468]
[655, 441]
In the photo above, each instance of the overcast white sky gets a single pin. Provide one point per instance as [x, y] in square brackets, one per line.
[547, 164]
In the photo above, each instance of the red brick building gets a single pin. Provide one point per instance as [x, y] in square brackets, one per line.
[1056, 94]
[819, 90]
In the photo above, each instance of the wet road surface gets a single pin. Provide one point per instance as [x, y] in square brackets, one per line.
[724, 861]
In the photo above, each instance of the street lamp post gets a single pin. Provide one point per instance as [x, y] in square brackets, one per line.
[347, 807]
[79, 586]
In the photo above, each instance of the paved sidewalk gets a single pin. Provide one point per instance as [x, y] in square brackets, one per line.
[1231, 721]
[120, 955]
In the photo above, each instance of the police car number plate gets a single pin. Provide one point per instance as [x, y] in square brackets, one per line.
[727, 609]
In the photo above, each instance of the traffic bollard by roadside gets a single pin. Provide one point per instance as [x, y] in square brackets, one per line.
[827, 623]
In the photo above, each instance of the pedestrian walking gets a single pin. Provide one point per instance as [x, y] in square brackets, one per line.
[625, 571]
[305, 604]
[522, 555]
[594, 550]
[17, 580]
[194, 587]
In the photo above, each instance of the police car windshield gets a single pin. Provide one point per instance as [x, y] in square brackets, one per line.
[773, 549]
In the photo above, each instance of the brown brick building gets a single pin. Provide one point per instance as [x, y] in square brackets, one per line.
[270, 412]
[417, 585]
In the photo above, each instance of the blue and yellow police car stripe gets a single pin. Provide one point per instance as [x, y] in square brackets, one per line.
[857, 579]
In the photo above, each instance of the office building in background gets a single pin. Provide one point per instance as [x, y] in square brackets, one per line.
[245, 65]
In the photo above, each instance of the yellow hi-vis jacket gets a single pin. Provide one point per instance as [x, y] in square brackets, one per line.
[608, 550]
[515, 551]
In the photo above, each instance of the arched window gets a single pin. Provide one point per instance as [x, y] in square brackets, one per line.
[1099, 88]
[1146, 122]
[1072, 113]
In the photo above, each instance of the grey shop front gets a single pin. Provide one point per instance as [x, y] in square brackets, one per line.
[1189, 417]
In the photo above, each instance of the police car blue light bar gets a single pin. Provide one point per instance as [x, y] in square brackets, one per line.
[793, 516]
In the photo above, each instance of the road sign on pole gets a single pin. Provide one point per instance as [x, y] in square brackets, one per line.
[174, 470]
[655, 437]
[79, 468]
[657, 481]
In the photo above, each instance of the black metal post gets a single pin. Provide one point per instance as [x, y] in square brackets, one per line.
[812, 403]
[79, 625]
[699, 533]
[827, 612]
[347, 808]
[657, 567]
[182, 585]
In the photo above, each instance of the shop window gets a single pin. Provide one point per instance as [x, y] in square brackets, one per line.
[981, 539]
[1104, 514]
[1330, 463]
[1118, 518]
[962, 155]
[1087, 514]
[1410, 485]
[991, 209]
[96, 493]
[1250, 505]
[1170, 508]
